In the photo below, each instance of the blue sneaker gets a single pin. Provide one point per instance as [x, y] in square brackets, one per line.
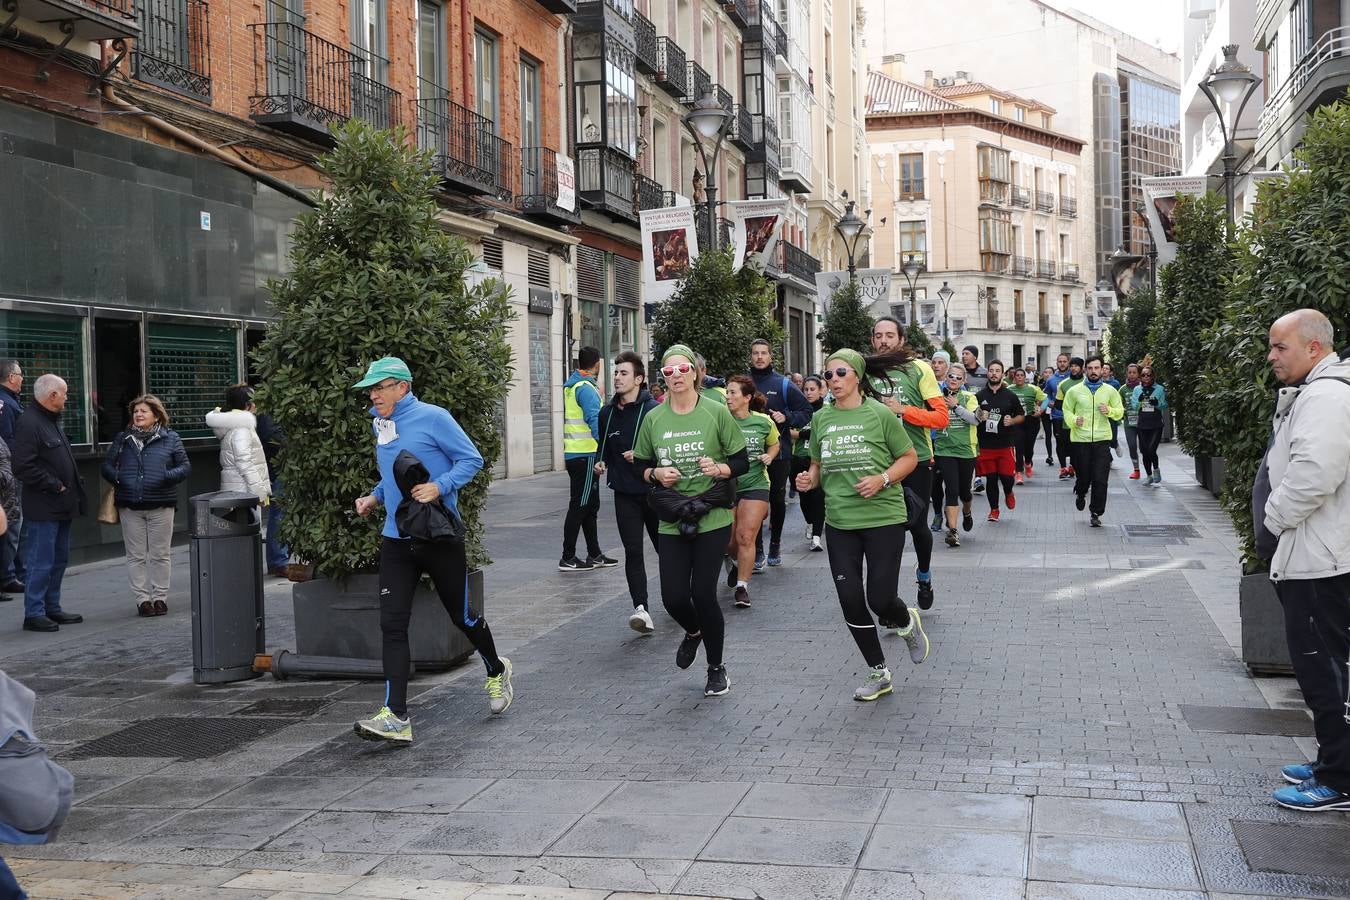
[1311, 796]
[775, 557]
[1297, 773]
[759, 562]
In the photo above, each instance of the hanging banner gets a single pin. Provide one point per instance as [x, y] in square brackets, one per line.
[874, 284]
[565, 172]
[1160, 199]
[669, 246]
[755, 228]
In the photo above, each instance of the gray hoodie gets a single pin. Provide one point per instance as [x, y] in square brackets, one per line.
[35, 793]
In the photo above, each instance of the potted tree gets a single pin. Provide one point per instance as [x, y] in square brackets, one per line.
[848, 323]
[373, 274]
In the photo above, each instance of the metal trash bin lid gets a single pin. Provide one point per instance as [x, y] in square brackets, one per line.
[223, 514]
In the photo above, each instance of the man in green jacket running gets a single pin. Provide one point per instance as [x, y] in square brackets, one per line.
[1089, 409]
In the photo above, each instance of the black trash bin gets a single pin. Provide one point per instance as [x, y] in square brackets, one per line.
[227, 599]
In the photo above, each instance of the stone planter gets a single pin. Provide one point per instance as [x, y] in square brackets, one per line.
[343, 619]
[1264, 647]
[1201, 470]
[1217, 468]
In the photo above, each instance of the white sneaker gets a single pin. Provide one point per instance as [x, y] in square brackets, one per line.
[815, 543]
[641, 621]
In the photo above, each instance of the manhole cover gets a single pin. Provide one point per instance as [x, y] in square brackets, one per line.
[284, 706]
[181, 737]
[1245, 720]
[1179, 532]
[1316, 851]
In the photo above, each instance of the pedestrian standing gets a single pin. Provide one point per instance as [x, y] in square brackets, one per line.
[620, 421]
[581, 440]
[1149, 401]
[762, 446]
[243, 464]
[277, 554]
[1131, 421]
[1032, 397]
[1000, 414]
[11, 407]
[690, 445]
[788, 409]
[145, 465]
[409, 433]
[1301, 504]
[52, 495]
[956, 447]
[1089, 409]
[813, 501]
[860, 457]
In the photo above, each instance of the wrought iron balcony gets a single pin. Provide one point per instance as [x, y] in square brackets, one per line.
[468, 153]
[305, 85]
[1020, 197]
[82, 20]
[1020, 321]
[1069, 272]
[698, 83]
[649, 193]
[738, 11]
[741, 133]
[644, 36]
[798, 263]
[1068, 207]
[537, 195]
[764, 145]
[724, 98]
[1045, 268]
[995, 192]
[1044, 321]
[174, 49]
[1045, 201]
[605, 182]
[1020, 267]
[672, 72]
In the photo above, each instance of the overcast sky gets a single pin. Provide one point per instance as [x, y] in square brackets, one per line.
[1155, 21]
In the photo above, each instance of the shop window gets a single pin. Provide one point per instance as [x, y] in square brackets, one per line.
[118, 378]
[189, 368]
[253, 337]
[49, 343]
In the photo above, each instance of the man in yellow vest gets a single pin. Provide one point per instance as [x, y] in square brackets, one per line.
[581, 436]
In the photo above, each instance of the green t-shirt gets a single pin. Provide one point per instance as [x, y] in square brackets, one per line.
[958, 439]
[913, 385]
[850, 444]
[1030, 395]
[679, 440]
[760, 433]
[716, 394]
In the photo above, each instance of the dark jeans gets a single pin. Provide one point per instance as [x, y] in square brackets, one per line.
[881, 548]
[920, 481]
[277, 553]
[583, 507]
[689, 569]
[11, 559]
[1149, 439]
[1317, 624]
[812, 502]
[1093, 468]
[402, 564]
[779, 470]
[46, 549]
[1063, 446]
[633, 515]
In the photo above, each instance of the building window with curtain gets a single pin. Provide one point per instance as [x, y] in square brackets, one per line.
[911, 176]
[912, 241]
[995, 239]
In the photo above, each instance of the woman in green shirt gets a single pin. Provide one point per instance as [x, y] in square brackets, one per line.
[812, 502]
[860, 453]
[684, 445]
[955, 448]
[747, 407]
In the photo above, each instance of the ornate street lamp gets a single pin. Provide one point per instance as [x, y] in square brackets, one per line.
[1235, 84]
[852, 229]
[945, 295]
[709, 120]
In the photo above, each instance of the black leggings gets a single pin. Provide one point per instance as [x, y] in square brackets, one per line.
[954, 482]
[920, 482]
[1026, 443]
[881, 548]
[402, 564]
[779, 470]
[1048, 426]
[632, 514]
[1149, 439]
[689, 570]
[812, 502]
[1063, 449]
[1132, 440]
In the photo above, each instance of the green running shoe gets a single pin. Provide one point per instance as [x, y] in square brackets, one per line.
[915, 637]
[878, 684]
[499, 689]
[385, 726]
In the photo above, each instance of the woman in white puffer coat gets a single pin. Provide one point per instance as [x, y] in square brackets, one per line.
[243, 468]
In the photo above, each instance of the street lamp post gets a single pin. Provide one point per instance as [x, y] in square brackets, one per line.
[912, 270]
[1234, 84]
[709, 120]
[945, 295]
[852, 229]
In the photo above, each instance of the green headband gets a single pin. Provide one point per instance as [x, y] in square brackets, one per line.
[853, 358]
[679, 350]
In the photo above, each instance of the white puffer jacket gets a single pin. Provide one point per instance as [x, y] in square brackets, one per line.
[1309, 463]
[243, 468]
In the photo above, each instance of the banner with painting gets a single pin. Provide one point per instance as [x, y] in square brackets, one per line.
[874, 285]
[756, 226]
[1160, 199]
[669, 247]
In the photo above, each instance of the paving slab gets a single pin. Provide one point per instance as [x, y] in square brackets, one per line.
[935, 850]
[221, 829]
[787, 842]
[804, 801]
[1099, 860]
[1109, 818]
[354, 832]
[761, 882]
[504, 834]
[1000, 812]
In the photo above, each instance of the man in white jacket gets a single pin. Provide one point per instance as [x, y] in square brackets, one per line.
[1308, 513]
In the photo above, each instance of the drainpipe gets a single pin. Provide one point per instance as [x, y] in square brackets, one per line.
[466, 50]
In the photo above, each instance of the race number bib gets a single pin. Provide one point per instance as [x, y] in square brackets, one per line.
[991, 424]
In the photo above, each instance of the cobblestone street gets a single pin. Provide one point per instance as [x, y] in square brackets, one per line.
[1046, 749]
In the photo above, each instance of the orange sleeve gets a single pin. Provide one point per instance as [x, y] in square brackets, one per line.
[935, 416]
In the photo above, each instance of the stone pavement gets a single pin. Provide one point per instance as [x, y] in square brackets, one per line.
[1041, 752]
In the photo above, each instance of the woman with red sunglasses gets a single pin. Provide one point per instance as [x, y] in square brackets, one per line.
[684, 445]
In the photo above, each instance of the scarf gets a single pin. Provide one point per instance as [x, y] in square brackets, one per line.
[142, 436]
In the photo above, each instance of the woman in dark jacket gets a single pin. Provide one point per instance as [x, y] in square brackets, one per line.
[145, 464]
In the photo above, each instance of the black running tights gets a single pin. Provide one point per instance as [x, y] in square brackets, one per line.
[1048, 426]
[633, 514]
[402, 563]
[689, 570]
[1149, 439]
[920, 482]
[991, 485]
[812, 502]
[881, 548]
[956, 475]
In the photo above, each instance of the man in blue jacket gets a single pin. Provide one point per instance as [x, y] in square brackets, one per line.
[789, 408]
[581, 440]
[11, 407]
[430, 433]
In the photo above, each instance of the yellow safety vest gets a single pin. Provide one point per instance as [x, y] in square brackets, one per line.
[577, 437]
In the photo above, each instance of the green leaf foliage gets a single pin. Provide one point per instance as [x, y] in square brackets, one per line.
[1127, 335]
[950, 348]
[919, 341]
[848, 324]
[372, 274]
[717, 312]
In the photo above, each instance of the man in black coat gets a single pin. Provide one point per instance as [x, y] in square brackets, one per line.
[52, 495]
[11, 407]
[788, 408]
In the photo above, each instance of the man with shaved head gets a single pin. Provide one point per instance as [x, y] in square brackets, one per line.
[1301, 507]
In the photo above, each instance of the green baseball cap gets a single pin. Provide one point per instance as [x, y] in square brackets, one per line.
[385, 367]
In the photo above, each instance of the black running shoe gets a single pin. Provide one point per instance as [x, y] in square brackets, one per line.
[1095, 521]
[718, 682]
[572, 564]
[967, 521]
[602, 561]
[742, 598]
[1080, 500]
[925, 594]
[688, 649]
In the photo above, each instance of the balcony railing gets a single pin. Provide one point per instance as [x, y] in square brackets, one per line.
[1069, 272]
[537, 194]
[1020, 321]
[1068, 207]
[779, 41]
[644, 35]
[701, 229]
[1044, 321]
[649, 193]
[798, 263]
[605, 181]
[724, 98]
[81, 20]
[698, 83]
[764, 140]
[1020, 267]
[991, 315]
[993, 192]
[738, 10]
[1333, 44]
[174, 49]
[468, 154]
[671, 68]
[306, 85]
[1045, 201]
[742, 128]
[1020, 197]
[1045, 268]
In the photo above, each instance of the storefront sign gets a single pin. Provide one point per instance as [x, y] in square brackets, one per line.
[669, 247]
[755, 228]
[567, 182]
[541, 301]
